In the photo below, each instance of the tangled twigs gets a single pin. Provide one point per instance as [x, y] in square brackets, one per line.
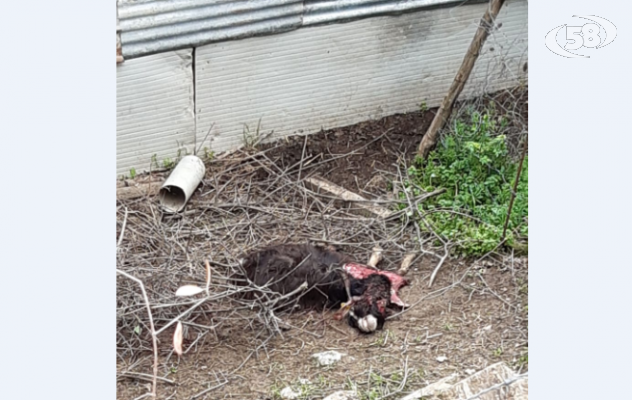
[151, 325]
[247, 201]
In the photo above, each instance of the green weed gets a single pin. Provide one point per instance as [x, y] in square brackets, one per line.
[168, 163]
[473, 164]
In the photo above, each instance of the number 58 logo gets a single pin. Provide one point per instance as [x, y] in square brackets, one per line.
[592, 35]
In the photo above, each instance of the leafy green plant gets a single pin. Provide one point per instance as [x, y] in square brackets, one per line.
[473, 164]
[132, 173]
[168, 163]
[208, 154]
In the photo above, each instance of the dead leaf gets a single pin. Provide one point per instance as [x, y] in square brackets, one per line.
[188, 290]
[177, 339]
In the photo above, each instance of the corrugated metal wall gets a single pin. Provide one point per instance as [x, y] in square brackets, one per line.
[299, 81]
[331, 11]
[151, 26]
[337, 75]
[148, 27]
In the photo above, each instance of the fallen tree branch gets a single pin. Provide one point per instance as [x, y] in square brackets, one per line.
[347, 195]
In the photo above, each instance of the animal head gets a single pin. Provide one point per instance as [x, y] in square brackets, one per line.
[370, 299]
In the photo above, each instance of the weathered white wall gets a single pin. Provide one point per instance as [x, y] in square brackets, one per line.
[308, 79]
[154, 109]
[340, 74]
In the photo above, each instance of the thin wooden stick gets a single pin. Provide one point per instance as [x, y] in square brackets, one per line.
[515, 187]
[144, 377]
[122, 229]
[430, 138]
[151, 325]
[434, 272]
[208, 277]
[203, 392]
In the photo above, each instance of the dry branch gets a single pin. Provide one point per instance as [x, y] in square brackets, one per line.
[515, 188]
[429, 140]
[347, 195]
[151, 325]
[138, 190]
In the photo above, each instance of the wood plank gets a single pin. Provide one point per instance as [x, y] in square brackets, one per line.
[347, 195]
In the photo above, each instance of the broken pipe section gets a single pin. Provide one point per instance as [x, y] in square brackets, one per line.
[180, 185]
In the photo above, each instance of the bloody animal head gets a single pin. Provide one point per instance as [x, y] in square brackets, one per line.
[359, 271]
[370, 297]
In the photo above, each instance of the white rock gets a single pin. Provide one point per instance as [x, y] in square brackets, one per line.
[470, 371]
[433, 389]
[343, 395]
[288, 393]
[304, 381]
[328, 357]
[442, 358]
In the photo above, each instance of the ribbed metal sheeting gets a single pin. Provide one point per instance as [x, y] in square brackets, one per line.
[149, 27]
[330, 11]
[153, 26]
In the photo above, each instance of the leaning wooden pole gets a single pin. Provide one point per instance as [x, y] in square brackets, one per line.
[430, 138]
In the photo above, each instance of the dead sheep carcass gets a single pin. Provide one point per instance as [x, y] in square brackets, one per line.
[331, 278]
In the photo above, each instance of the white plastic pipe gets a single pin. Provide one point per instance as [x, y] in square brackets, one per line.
[180, 185]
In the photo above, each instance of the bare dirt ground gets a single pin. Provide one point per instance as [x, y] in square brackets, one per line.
[475, 314]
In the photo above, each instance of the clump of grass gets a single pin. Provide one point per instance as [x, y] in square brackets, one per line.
[474, 166]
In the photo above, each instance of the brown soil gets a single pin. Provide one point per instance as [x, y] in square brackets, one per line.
[374, 146]
[478, 317]
[478, 322]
